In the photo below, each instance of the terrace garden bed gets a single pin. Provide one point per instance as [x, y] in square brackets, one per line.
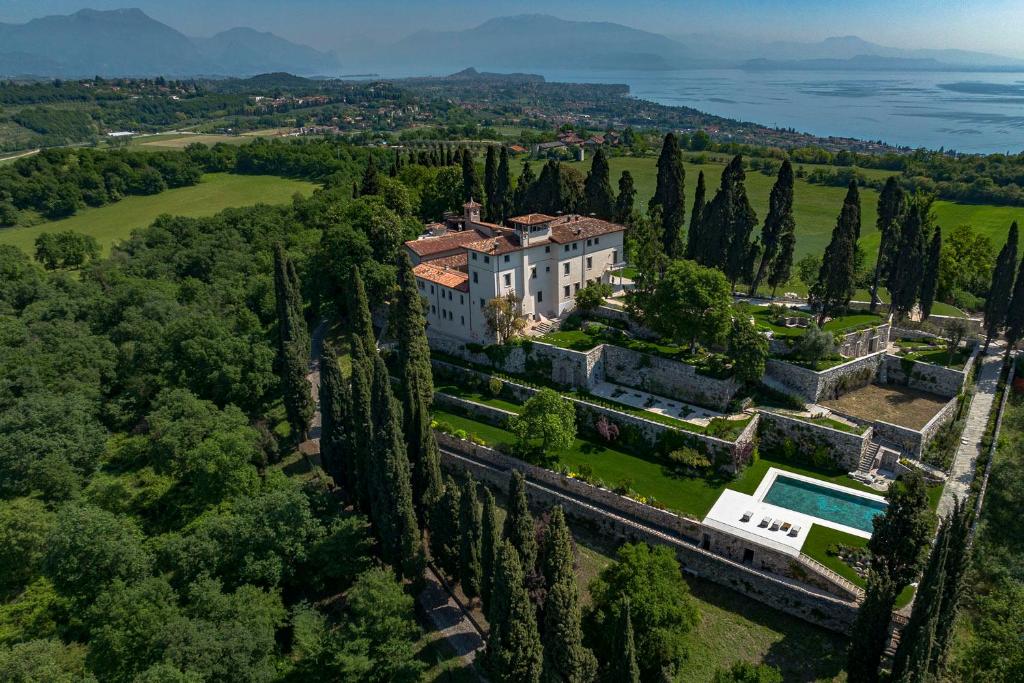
[893, 404]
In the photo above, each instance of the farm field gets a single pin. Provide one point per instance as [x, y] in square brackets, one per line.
[113, 222]
[815, 206]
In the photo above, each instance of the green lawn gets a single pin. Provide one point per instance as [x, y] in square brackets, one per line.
[815, 206]
[114, 222]
[477, 397]
[845, 323]
[819, 538]
[941, 357]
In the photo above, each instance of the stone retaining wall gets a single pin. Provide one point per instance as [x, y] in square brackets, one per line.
[825, 384]
[934, 379]
[668, 378]
[852, 345]
[910, 441]
[845, 448]
[941, 419]
[778, 580]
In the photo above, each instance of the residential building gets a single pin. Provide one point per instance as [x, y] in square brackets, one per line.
[543, 260]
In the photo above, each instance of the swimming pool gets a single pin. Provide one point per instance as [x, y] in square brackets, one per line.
[837, 506]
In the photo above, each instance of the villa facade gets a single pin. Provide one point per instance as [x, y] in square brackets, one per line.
[544, 260]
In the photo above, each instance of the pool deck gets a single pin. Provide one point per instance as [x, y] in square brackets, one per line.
[728, 511]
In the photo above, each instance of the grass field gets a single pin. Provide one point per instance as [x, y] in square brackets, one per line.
[116, 221]
[816, 206]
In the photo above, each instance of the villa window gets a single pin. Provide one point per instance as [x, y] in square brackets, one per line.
[574, 245]
[566, 248]
[597, 240]
[589, 242]
[540, 296]
[615, 256]
[565, 291]
[533, 273]
[506, 258]
[475, 280]
[433, 309]
[420, 283]
[565, 269]
[474, 256]
[590, 263]
[547, 250]
[482, 302]
[576, 287]
[462, 300]
[508, 280]
[487, 259]
[463, 320]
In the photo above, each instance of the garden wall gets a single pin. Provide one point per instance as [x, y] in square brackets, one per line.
[852, 345]
[825, 384]
[941, 419]
[933, 379]
[844, 448]
[485, 413]
[816, 598]
[667, 378]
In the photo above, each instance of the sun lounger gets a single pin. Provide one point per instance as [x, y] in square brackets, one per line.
[765, 521]
[785, 526]
[775, 526]
[795, 530]
[746, 516]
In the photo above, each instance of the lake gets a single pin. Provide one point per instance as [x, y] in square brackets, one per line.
[966, 111]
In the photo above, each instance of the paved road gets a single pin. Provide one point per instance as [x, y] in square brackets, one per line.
[961, 474]
[311, 446]
[449, 618]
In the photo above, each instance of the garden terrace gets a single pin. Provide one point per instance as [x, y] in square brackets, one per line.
[893, 404]
[844, 324]
[932, 351]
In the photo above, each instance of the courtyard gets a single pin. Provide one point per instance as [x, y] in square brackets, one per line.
[893, 404]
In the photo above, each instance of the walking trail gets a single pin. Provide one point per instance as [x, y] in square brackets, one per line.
[445, 613]
[961, 474]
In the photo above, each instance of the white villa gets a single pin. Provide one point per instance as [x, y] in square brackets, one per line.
[543, 259]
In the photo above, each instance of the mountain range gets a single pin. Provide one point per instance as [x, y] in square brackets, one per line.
[127, 42]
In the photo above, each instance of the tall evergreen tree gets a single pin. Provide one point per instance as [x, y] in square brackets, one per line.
[597, 189]
[545, 195]
[335, 399]
[625, 199]
[471, 188]
[490, 542]
[470, 539]
[870, 631]
[492, 203]
[523, 192]
[902, 533]
[958, 562]
[891, 204]
[726, 225]
[519, 522]
[1015, 311]
[622, 666]
[293, 346]
[670, 195]
[835, 286]
[357, 319]
[371, 179]
[694, 235]
[566, 659]
[360, 422]
[906, 271]
[997, 303]
[853, 198]
[504, 189]
[391, 508]
[783, 265]
[514, 651]
[444, 529]
[931, 274]
[777, 223]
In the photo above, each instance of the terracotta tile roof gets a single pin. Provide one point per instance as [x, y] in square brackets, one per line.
[499, 244]
[457, 262]
[532, 219]
[572, 228]
[453, 279]
[518, 149]
[427, 246]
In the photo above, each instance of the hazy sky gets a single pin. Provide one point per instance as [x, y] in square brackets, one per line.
[986, 25]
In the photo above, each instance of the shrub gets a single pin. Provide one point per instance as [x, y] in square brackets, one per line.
[608, 430]
[687, 459]
[495, 385]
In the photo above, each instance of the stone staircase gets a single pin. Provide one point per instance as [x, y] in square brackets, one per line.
[547, 326]
[867, 458]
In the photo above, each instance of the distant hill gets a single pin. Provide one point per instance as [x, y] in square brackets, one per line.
[535, 41]
[127, 42]
[858, 63]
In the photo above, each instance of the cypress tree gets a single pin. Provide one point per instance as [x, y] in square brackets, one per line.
[853, 198]
[565, 657]
[958, 562]
[371, 180]
[545, 195]
[783, 265]
[724, 241]
[355, 190]
[293, 345]
[670, 196]
[835, 284]
[410, 328]
[359, 322]
[296, 306]
[777, 223]
[902, 533]
[891, 204]
[914, 653]
[471, 188]
[870, 631]
[693, 236]
[295, 388]
[491, 210]
[519, 527]
[514, 652]
[523, 192]
[998, 301]
[504, 190]
[597, 188]
[907, 270]
[444, 530]
[470, 538]
[1015, 312]
[335, 399]
[360, 422]
[390, 482]
[490, 542]
[622, 665]
[626, 198]
[931, 274]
